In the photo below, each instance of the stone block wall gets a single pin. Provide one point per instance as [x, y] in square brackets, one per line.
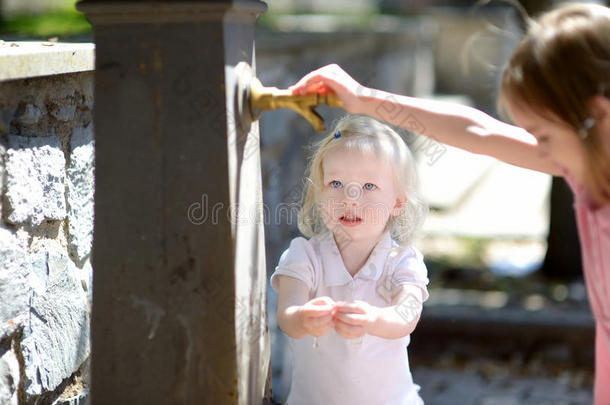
[46, 228]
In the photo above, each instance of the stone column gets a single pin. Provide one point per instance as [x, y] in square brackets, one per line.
[178, 252]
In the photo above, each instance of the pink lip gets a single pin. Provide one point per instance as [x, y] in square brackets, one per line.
[350, 223]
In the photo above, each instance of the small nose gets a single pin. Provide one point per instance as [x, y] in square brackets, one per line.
[352, 193]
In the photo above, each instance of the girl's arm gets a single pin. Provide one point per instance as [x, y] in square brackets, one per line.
[298, 317]
[400, 319]
[460, 126]
[453, 124]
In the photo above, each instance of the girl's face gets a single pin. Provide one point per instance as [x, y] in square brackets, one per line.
[556, 140]
[358, 194]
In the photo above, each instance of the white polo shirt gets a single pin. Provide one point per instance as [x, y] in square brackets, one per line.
[338, 371]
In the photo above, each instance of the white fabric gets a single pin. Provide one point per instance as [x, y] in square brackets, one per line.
[368, 370]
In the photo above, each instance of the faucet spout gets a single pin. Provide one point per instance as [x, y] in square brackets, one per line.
[252, 98]
[271, 98]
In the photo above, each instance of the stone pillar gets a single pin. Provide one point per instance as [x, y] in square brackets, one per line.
[178, 252]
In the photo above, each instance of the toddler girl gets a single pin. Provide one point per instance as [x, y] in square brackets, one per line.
[351, 294]
[555, 88]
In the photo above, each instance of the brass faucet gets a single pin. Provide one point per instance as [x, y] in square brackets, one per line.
[254, 98]
[272, 98]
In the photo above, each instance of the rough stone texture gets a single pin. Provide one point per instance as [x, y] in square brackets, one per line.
[80, 191]
[2, 164]
[65, 113]
[28, 114]
[46, 105]
[9, 378]
[56, 335]
[80, 399]
[86, 278]
[14, 273]
[35, 171]
[46, 169]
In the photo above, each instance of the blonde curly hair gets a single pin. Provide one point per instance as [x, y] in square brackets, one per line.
[366, 135]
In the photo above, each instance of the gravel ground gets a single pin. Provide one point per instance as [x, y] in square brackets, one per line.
[442, 386]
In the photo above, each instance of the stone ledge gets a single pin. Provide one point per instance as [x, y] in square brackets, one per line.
[21, 60]
[576, 326]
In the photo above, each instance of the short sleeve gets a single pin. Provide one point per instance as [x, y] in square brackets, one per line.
[297, 261]
[411, 269]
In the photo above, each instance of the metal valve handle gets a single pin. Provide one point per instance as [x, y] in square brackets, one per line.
[259, 98]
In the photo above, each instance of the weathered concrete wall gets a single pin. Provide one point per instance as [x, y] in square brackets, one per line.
[46, 188]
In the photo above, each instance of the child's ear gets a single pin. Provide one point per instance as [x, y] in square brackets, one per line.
[399, 205]
[599, 108]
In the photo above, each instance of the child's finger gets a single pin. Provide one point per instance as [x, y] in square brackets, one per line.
[312, 87]
[306, 84]
[310, 81]
[349, 307]
[316, 312]
[329, 324]
[312, 76]
[322, 301]
[348, 331]
[319, 325]
[351, 319]
[321, 321]
[319, 306]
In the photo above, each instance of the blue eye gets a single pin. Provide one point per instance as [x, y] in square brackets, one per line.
[335, 184]
[373, 187]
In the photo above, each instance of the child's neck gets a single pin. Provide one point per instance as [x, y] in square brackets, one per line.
[356, 252]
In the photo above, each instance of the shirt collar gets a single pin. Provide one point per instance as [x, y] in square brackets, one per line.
[334, 269]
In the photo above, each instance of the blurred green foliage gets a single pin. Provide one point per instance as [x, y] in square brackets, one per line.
[63, 21]
[270, 20]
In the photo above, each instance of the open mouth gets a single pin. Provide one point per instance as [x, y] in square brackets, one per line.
[350, 220]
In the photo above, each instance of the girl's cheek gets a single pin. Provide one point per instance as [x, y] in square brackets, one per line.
[328, 210]
[377, 213]
[331, 198]
[543, 149]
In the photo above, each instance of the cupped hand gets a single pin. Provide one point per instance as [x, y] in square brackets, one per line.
[331, 78]
[317, 316]
[354, 319]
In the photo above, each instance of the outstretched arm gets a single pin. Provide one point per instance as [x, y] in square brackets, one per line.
[401, 318]
[298, 317]
[449, 123]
